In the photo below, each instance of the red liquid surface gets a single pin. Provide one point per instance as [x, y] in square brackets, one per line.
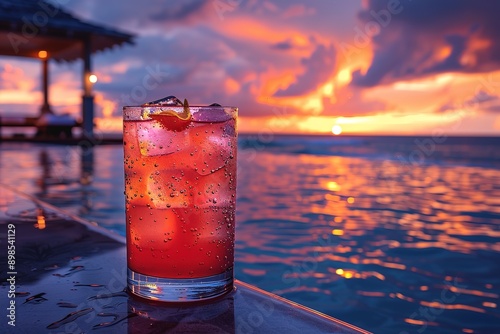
[180, 189]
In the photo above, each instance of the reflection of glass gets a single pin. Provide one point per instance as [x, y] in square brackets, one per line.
[215, 317]
[180, 184]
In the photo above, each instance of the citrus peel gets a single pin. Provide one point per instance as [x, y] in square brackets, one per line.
[172, 120]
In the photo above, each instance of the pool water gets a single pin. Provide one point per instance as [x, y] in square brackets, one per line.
[392, 234]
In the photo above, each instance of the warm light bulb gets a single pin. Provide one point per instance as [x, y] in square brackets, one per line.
[93, 78]
[42, 54]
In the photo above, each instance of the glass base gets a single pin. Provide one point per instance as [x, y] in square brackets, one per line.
[179, 290]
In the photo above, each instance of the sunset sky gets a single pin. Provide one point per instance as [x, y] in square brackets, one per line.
[371, 67]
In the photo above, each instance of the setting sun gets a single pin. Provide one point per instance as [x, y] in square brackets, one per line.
[336, 129]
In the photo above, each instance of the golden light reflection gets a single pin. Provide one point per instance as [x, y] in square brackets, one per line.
[371, 293]
[333, 186]
[415, 322]
[439, 305]
[338, 232]
[350, 200]
[254, 272]
[375, 253]
[325, 210]
[381, 263]
[333, 198]
[154, 289]
[489, 304]
[473, 292]
[402, 297]
[40, 222]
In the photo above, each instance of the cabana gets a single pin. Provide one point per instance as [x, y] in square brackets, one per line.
[43, 30]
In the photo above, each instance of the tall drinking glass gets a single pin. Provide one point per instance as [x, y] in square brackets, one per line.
[180, 190]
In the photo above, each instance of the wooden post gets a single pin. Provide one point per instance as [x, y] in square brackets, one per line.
[87, 98]
[45, 84]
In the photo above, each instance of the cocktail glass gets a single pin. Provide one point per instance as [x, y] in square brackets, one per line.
[180, 190]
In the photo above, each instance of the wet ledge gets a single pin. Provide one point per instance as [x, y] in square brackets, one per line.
[69, 276]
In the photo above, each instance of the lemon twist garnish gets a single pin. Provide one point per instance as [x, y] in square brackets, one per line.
[185, 115]
[179, 123]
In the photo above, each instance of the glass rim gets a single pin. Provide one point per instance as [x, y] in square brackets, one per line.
[197, 106]
[143, 112]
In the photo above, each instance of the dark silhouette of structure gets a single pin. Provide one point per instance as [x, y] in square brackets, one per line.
[43, 30]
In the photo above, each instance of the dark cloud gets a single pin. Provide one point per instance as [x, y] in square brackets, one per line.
[482, 101]
[493, 108]
[409, 39]
[318, 68]
[175, 10]
[482, 97]
[135, 16]
[194, 63]
[284, 45]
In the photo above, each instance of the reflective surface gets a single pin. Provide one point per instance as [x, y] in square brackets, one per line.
[389, 234]
[70, 277]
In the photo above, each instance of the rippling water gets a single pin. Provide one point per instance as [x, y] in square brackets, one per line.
[395, 235]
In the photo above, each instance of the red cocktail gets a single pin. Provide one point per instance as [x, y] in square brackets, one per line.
[180, 189]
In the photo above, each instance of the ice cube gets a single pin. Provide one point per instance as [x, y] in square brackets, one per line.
[168, 188]
[211, 115]
[213, 147]
[215, 189]
[213, 225]
[166, 101]
[154, 140]
[136, 188]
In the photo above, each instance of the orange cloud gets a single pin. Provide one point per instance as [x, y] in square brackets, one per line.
[14, 78]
